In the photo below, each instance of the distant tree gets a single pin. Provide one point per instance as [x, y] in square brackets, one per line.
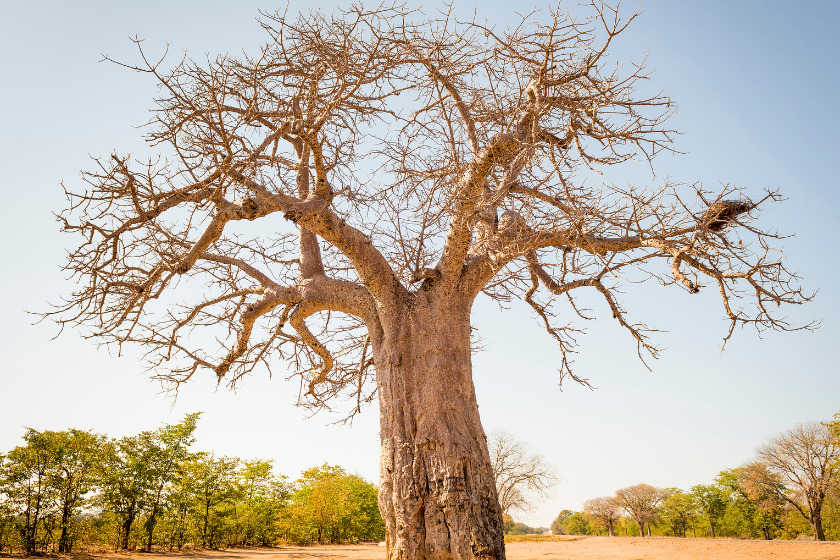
[834, 429]
[125, 481]
[28, 474]
[514, 528]
[7, 512]
[558, 525]
[626, 526]
[77, 455]
[211, 484]
[330, 505]
[752, 493]
[577, 524]
[43, 486]
[570, 522]
[521, 476]
[679, 509]
[605, 510]
[711, 503]
[641, 502]
[167, 450]
[805, 460]
[260, 498]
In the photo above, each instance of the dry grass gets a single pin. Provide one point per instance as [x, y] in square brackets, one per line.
[542, 538]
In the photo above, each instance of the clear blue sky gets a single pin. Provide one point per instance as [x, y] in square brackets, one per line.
[757, 88]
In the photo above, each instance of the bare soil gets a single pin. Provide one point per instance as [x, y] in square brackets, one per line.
[572, 548]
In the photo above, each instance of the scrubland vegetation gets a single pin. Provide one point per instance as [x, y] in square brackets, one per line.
[76, 490]
[791, 490]
[72, 490]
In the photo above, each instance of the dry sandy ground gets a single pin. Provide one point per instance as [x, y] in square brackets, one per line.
[576, 548]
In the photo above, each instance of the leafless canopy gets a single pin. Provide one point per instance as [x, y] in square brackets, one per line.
[521, 476]
[641, 502]
[800, 466]
[606, 510]
[361, 157]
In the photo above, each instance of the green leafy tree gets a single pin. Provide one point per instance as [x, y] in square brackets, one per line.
[578, 524]
[42, 487]
[262, 495]
[125, 482]
[834, 431]
[76, 457]
[177, 522]
[679, 510]
[167, 450]
[28, 472]
[511, 527]
[557, 526]
[626, 526]
[211, 484]
[7, 512]
[711, 503]
[330, 505]
[760, 493]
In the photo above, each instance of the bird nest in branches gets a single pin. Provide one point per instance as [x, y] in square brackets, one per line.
[720, 214]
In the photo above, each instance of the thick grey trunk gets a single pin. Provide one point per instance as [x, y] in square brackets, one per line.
[437, 493]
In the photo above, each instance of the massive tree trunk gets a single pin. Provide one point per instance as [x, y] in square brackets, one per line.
[437, 493]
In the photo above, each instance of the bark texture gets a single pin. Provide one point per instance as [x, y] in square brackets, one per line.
[437, 491]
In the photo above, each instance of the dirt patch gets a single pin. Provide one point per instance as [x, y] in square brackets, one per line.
[585, 548]
[624, 548]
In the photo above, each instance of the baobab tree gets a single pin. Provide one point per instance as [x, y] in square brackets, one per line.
[340, 198]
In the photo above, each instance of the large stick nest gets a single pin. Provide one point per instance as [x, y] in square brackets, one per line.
[720, 214]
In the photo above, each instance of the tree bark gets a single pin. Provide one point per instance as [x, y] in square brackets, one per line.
[816, 525]
[64, 544]
[129, 521]
[150, 528]
[437, 492]
[641, 528]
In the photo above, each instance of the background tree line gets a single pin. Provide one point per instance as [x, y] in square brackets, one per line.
[790, 490]
[68, 490]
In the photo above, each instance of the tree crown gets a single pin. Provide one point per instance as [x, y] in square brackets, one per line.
[387, 158]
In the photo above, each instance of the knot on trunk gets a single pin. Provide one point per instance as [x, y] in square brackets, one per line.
[249, 208]
[720, 214]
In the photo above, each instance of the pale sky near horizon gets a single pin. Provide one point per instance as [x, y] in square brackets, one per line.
[757, 85]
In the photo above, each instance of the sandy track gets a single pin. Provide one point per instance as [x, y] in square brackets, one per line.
[585, 548]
